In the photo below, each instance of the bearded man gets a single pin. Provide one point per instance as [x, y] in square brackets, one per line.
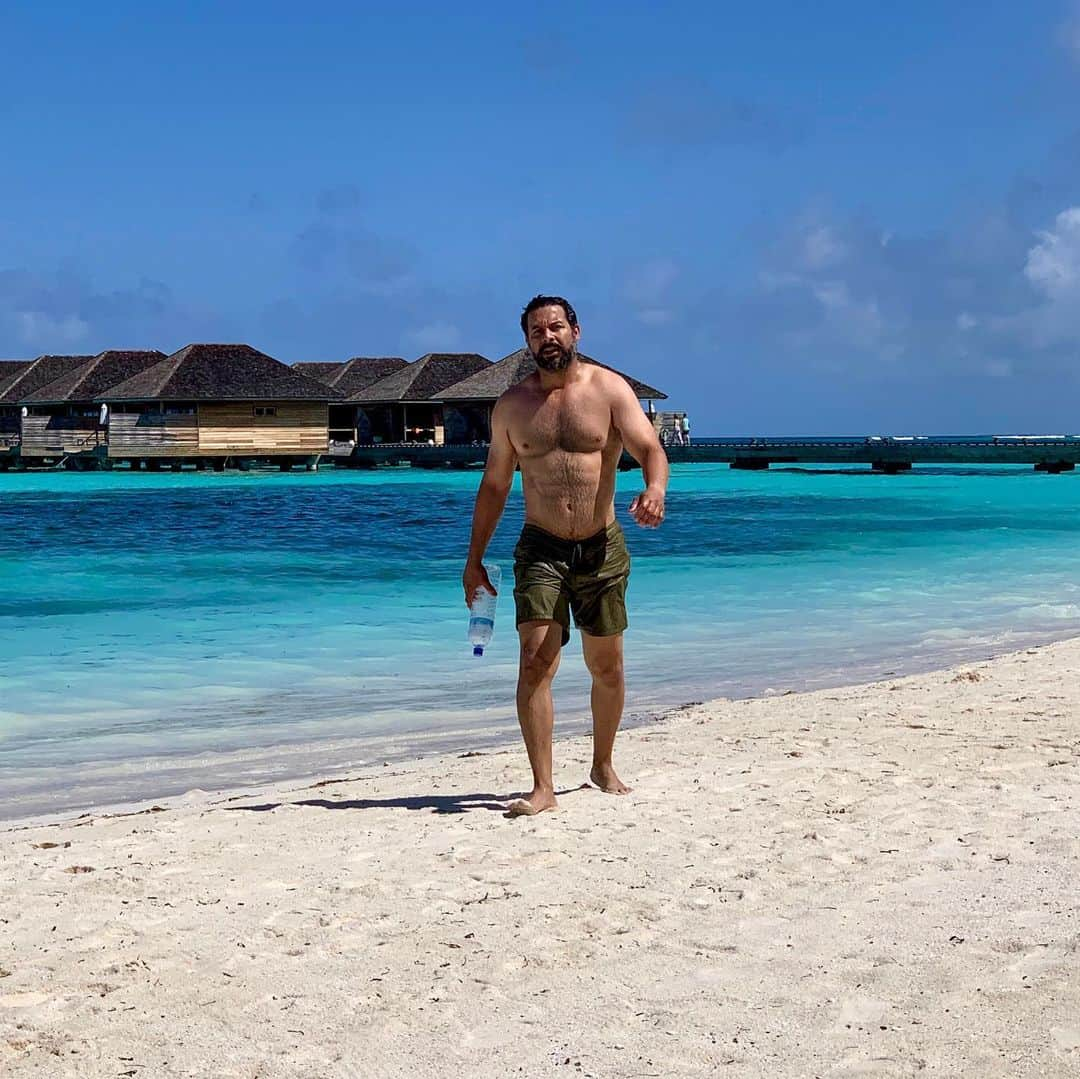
[565, 426]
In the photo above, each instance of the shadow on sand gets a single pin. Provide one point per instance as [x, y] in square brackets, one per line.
[438, 803]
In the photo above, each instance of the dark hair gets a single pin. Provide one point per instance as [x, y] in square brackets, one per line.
[547, 301]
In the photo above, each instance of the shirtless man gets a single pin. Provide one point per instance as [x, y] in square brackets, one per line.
[566, 426]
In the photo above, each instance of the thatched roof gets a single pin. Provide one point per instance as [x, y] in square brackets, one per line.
[318, 369]
[351, 376]
[220, 373]
[38, 373]
[423, 379]
[491, 383]
[363, 371]
[92, 379]
[10, 370]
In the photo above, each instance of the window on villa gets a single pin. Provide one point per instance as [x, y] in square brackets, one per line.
[264, 410]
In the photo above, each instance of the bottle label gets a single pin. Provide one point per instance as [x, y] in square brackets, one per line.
[476, 620]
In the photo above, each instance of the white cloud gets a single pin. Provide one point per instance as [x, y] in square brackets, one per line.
[1050, 320]
[822, 248]
[1053, 264]
[849, 294]
[833, 295]
[857, 321]
[62, 311]
[43, 331]
[956, 301]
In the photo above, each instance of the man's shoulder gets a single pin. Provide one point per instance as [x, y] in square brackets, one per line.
[519, 390]
[607, 380]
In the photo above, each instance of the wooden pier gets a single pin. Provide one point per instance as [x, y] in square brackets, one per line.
[887, 456]
[884, 455]
[98, 460]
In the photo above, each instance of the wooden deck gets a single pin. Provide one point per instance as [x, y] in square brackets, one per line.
[885, 454]
[753, 454]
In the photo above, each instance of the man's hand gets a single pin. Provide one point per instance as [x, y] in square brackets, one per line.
[475, 577]
[647, 509]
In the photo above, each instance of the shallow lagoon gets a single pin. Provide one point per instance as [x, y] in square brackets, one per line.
[163, 631]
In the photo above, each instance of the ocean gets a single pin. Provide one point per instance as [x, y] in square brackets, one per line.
[163, 632]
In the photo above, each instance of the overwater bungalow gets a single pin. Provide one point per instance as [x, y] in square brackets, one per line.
[467, 405]
[61, 419]
[348, 378]
[10, 370]
[218, 403]
[33, 375]
[406, 406]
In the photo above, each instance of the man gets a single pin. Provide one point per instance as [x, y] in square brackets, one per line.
[566, 426]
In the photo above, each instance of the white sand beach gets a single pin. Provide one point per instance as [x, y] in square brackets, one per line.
[879, 880]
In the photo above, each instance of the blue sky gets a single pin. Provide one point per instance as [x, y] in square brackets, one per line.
[794, 218]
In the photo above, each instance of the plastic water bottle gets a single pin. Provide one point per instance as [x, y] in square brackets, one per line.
[482, 612]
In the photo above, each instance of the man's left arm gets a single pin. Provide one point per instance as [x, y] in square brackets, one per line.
[639, 438]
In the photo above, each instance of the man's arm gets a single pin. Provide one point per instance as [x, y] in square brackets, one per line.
[490, 501]
[640, 439]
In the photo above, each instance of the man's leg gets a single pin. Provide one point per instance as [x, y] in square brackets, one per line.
[604, 658]
[541, 646]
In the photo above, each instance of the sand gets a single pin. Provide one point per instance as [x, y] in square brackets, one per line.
[877, 880]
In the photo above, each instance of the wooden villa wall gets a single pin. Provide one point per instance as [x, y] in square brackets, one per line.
[222, 429]
[48, 436]
[300, 427]
[153, 434]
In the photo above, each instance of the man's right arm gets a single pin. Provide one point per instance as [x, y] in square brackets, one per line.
[490, 501]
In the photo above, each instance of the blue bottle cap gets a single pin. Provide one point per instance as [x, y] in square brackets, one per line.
[478, 650]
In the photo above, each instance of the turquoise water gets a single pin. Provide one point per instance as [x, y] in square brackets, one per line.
[168, 631]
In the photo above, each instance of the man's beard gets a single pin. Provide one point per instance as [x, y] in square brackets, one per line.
[554, 357]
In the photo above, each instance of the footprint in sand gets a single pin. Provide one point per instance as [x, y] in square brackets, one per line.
[24, 1000]
[543, 859]
[861, 1011]
[502, 880]
[855, 1065]
[1067, 1038]
[1034, 963]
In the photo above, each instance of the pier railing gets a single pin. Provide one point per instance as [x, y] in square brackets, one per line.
[1049, 453]
[889, 455]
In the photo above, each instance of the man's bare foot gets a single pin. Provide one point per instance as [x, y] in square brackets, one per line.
[531, 804]
[604, 777]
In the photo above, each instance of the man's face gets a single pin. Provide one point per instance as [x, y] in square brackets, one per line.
[551, 339]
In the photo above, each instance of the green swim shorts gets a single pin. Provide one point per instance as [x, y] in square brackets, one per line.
[554, 576]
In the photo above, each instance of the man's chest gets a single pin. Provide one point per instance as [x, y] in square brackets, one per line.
[573, 423]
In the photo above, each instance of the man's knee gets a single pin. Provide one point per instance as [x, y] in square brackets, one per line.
[537, 665]
[607, 669]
